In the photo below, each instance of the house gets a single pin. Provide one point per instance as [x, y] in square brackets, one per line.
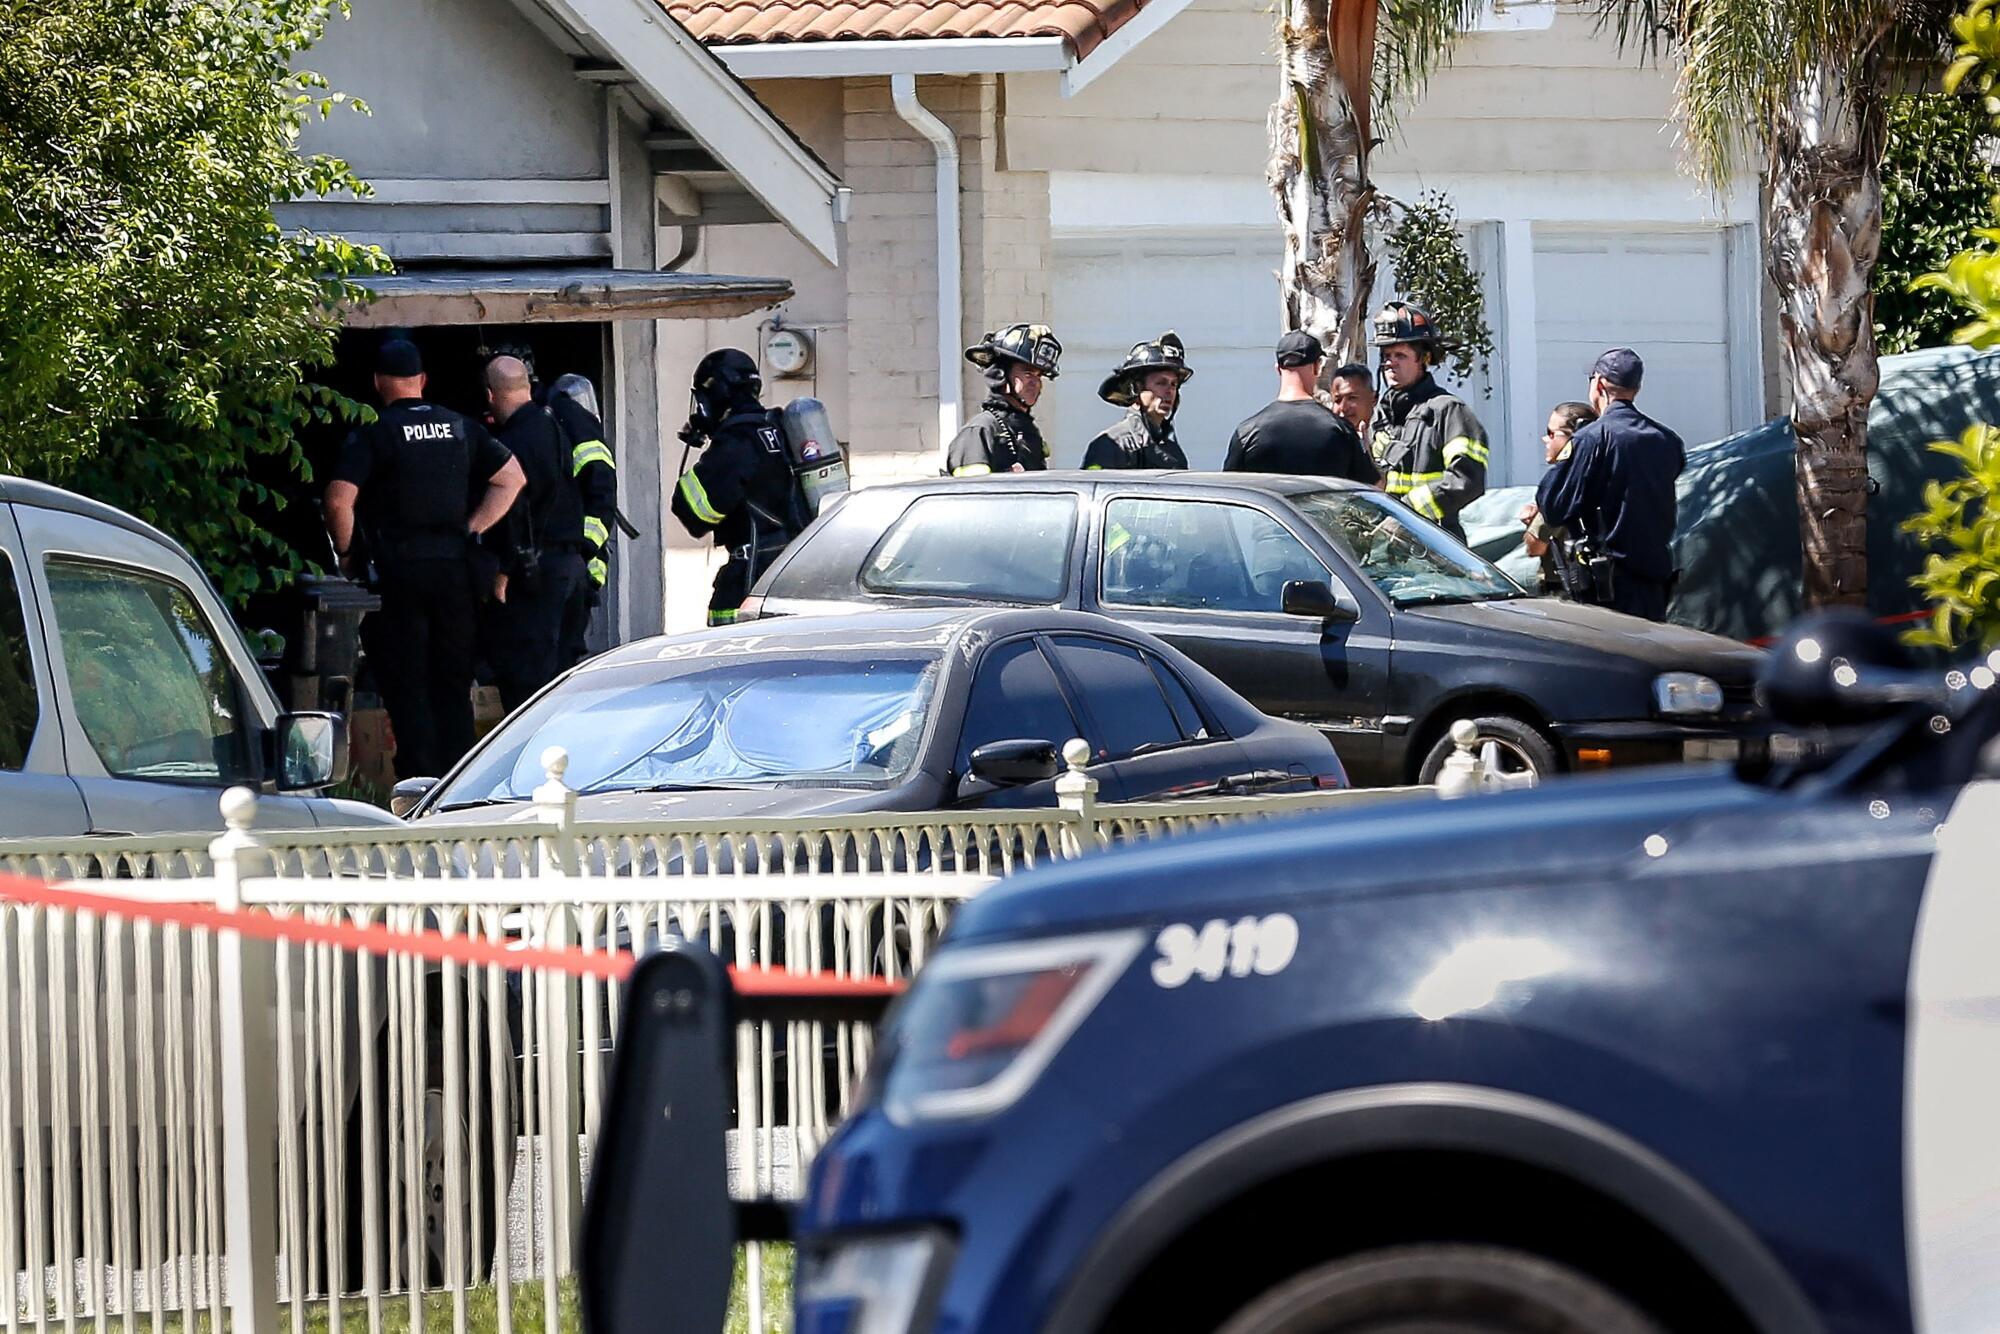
[522, 155]
[1102, 163]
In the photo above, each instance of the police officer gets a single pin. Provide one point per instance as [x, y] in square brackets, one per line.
[1002, 435]
[741, 488]
[1297, 433]
[1147, 384]
[420, 483]
[548, 550]
[1617, 487]
[1431, 449]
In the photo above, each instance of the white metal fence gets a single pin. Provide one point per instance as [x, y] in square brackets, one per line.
[197, 1123]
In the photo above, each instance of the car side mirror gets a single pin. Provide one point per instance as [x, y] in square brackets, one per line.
[403, 797]
[1016, 763]
[311, 750]
[1314, 598]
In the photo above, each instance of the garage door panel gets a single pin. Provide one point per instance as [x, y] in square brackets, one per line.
[1673, 284]
[1663, 294]
[1220, 294]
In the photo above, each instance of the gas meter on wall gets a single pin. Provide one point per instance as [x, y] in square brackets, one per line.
[788, 352]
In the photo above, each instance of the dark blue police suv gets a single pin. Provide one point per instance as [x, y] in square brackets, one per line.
[1694, 1050]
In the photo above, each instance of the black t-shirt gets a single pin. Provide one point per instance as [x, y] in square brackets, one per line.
[420, 469]
[1299, 436]
[551, 499]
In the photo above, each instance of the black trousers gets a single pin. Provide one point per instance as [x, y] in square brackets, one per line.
[422, 644]
[573, 641]
[525, 650]
[1638, 597]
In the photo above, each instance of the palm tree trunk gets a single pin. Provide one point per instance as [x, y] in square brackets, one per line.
[1319, 170]
[1825, 221]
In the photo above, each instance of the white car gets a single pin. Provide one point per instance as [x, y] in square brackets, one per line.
[128, 700]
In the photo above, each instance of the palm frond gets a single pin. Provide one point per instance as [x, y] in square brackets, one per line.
[1739, 58]
[1413, 38]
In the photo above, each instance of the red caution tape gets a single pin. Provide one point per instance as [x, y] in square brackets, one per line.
[435, 946]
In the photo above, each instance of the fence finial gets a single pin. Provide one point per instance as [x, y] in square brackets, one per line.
[1076, 791]
[239, 808]
[1460, 775]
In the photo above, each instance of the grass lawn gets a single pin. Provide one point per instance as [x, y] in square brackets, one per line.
[482, 1308]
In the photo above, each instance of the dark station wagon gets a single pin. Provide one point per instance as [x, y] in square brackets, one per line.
[1316, 600]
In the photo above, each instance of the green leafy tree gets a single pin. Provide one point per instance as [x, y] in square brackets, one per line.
[1961, 578]
[1804, 87]
[1937, 188]
[1431, 265]
[156, 325]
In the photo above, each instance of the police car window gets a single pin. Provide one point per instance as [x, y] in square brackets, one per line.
[150, 681]
[985, 544]
[19, 708]
[1015, 697]
[1121, 693]
[1200, 555]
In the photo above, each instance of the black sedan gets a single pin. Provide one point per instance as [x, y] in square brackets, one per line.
[892, 711]
[1319, 600]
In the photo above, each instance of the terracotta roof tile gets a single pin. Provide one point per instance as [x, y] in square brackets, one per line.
[1081, 23]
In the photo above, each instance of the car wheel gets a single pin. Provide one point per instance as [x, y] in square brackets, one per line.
[437, 1136]
[1440, 1290]
[1522, 747]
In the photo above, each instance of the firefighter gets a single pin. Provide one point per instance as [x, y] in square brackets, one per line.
[1431, 449]
[1147, 384]
[741, 488]
[573, 399]
[1002, 435]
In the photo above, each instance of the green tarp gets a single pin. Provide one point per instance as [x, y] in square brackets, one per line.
[1738, 540]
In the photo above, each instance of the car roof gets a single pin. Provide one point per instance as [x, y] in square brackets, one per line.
[915, 628]
[21, 491]
[1281, 484]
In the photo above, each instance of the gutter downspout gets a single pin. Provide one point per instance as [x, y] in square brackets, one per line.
[950, 300]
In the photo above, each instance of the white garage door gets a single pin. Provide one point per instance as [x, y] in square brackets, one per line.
[1663, 294]
[1219, 292]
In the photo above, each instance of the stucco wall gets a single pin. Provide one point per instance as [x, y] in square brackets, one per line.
[1192, 99]
[874, 320]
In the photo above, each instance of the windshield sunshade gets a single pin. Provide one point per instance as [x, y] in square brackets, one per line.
[769, 720]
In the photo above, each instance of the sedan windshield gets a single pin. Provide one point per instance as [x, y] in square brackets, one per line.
[1413, 561]
[767, 721]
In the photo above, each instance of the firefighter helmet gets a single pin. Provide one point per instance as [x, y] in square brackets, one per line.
[1407, 322]
[1030, 345]
[1165, 353]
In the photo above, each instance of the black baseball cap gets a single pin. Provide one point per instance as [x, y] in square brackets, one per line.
[399, 359]
[1299, 348]
[1620, 368]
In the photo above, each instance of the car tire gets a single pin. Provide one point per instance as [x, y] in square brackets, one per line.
[1523, 748]
[485, 1231]
[1446, 1288]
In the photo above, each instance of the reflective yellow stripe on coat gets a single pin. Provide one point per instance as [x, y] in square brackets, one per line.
[1464, 447]
[589, 452]
[696, 496]
[594, 530]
